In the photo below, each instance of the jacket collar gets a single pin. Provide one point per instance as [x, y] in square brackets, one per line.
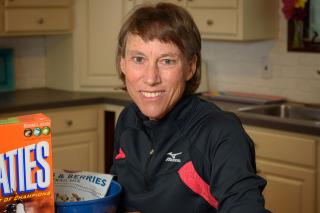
[181, 112]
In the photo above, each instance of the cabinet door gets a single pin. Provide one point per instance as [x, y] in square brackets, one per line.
[99, 22]
[289, 188]
[75, 151]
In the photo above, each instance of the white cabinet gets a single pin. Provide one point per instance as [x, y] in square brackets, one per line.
[85, 60]
[233, 19]
[35, 17]
[288, 162]
[289, 188]
[78, 138]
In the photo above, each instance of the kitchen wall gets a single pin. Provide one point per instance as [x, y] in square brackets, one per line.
[241, 67]
[29, 60]
[231, 66]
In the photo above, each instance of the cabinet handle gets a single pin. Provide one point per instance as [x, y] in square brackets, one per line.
[40, 21]
[210, 22]
[69, 123]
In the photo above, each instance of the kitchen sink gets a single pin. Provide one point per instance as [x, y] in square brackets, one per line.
[286, 110]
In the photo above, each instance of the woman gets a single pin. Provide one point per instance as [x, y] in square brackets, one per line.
[173, 151]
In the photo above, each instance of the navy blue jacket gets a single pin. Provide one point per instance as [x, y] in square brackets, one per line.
[198, 158]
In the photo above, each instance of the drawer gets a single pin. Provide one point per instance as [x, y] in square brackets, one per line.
[222, 21]
[28, 20]
[282, 147]
[68, 121]
[37, 3]
[212, 3]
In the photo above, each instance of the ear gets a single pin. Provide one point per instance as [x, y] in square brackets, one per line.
[122, 65]
[192, 66]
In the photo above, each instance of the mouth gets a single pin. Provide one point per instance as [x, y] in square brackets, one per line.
[151, 94]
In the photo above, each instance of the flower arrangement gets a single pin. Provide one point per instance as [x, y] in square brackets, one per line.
[295, 12]
[294, 9]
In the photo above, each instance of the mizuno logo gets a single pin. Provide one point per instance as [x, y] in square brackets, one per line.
[172, 157]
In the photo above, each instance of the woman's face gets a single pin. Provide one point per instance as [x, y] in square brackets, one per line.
[155, 74]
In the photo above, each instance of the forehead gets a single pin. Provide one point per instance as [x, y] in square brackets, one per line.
[137, 43]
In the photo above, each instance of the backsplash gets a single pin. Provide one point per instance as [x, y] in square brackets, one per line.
[29, 60]
[240, 66]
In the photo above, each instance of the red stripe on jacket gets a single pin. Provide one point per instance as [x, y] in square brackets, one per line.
[191, 178]
[120, 155]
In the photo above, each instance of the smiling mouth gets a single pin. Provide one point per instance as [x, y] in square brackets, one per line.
[151, 94]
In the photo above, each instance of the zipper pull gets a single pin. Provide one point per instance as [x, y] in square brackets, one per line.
[151, 152]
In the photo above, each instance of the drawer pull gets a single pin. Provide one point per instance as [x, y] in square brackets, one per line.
[40, 21]
[210, 22]
[69, 123]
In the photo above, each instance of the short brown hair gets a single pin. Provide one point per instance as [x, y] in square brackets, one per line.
[168, 23]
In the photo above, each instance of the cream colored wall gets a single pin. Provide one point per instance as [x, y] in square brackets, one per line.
[29, 60]
[238, 66]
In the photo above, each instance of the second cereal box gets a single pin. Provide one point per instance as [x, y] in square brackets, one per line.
[26, 179]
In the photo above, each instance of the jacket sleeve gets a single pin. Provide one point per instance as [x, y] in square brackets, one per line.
[233, 179]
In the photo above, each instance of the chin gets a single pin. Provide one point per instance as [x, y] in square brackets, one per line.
[152, 114]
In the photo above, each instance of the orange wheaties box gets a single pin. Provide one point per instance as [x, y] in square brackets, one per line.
[26, 177]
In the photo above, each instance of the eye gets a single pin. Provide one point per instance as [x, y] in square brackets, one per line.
[138, 59]
[168, 61]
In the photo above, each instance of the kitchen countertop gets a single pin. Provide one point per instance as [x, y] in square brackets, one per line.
[268, 121]
[43, 98]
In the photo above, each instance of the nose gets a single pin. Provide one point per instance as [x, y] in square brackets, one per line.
[152, 74]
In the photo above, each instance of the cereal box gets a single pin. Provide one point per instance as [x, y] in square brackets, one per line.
[26, 177]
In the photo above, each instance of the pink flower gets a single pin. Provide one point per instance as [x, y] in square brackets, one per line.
[288, 8]
[294, 9]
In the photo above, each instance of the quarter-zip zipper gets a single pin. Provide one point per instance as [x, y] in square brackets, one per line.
[146, 170]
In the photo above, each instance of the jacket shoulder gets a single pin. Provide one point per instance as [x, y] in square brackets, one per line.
[215, 117]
